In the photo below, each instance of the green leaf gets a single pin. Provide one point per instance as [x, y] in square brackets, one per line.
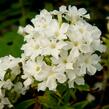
[80, 105]
[84, 87]
[48, 100]
[10, 43]
[48, 6]
[66, 106]
[25, 104]
[62, 88]
[66, 96]
[106, 107]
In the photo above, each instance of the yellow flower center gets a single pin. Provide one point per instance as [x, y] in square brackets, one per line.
[53, 45]
[38, 68]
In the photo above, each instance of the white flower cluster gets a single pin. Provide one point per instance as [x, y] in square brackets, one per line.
[10, 85]
[59, 47]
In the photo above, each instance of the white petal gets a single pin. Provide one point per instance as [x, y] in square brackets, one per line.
[61, 77]
[62, 9]
[61, 44]
[82, 11]
[27, 82]
[80, 81]
[64, 28]
[64, 54]
[82, 70]
[99, 67]
[51, 83]
[87, 16]
[54, 26]
[75, 52]
[21, 30]
[55, 53]
[71, 84]
[102, 48]
[69, 66]
[42, 86]
[85, 48]
[91, 69]
[28, 29]
[71, 74]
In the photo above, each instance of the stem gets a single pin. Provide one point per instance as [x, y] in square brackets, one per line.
[105, 82]
[23, 12]
[60, 19]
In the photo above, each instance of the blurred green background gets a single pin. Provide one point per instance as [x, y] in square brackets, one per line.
[14, 13]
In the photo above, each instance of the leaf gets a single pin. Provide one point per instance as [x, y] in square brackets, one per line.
[80, 105]
[48, 6]
[84, 87]
[106, 107]
[66, 106]
[48, 100]
[66, 96]
[25, 104]
[62, 88]
[10, 43]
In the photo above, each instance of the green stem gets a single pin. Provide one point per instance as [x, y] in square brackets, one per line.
[60, 19]
[23, 12]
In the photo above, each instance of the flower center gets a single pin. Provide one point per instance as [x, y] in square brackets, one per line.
[57, 34]
[81, 30]
[37, 47]
[38, 68]
[86, 60]
[76, 44]
[53, 45]
[64, 61]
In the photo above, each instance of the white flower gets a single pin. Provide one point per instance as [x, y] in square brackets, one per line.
[42, 20]
[90, 97]
[8, 62]
[50, 80]
[7, 84]
[62, 10]
[96, 45]
[54, 48]
[5, 102]
[18, 87]
[59, 31]
[90, 63]
[64, 63]
[32, 49]
[78, 80]
[28, 80]
[75, 14]
[21, 30]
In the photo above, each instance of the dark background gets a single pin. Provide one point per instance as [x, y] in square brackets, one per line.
[19, 12]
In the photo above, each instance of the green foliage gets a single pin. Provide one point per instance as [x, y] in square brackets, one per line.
[63, 98]
[10, 43]
[48, 6]
[84, 87]
[80, 105]
[48, 100]
[106, 107]
[25, 104]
